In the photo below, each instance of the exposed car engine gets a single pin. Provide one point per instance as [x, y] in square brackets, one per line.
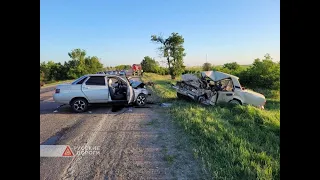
[198, 89]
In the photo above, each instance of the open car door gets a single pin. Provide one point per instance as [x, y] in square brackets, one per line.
[227, 93]
[130, 93]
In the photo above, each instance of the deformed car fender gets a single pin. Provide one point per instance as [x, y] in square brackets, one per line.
[138, 91]
[239, 98]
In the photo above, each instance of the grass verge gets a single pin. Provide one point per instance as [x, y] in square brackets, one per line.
[233, 142]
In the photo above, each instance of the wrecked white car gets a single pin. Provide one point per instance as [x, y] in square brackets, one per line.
[214, 87]
[100, 88]
[139, 88]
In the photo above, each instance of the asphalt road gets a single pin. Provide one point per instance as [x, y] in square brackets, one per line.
[134, 143]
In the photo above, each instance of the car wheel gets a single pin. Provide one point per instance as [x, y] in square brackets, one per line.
[141, 99]
[79, 105]
[180, 96]
[235, 102]
[201, 99]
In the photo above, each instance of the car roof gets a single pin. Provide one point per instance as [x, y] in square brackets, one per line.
[108, 75]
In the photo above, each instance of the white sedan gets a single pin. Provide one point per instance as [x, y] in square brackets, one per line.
[217, 87]
[100, 88]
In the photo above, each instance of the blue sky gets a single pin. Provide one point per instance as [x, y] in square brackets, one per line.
[119, 31]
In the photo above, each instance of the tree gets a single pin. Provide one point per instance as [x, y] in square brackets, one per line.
[176, 51]
[43, 71]
[172, 49]
[123, 67]
[164, 48]
[42, 76]
[108, 68]
[206, 66]
[93, 65]
[149, 65]
[74, 68]
[77, 54]
[232, 66]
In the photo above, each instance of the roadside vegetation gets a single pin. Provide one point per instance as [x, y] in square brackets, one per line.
[233, 142]
[78, 65]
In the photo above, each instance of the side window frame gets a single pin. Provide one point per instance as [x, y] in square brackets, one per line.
[82, 81]
[85, 82]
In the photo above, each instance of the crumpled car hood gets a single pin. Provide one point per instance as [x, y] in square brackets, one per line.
[136, 84]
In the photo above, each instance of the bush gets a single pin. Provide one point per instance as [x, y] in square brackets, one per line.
[262, 74]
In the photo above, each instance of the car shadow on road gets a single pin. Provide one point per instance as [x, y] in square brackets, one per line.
[49, 107]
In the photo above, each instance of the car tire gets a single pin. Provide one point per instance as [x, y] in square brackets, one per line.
[141, 99]
[79, 105]
[235, 102]
[179, 95]
[201, 99]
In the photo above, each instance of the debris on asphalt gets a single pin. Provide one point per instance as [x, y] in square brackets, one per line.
[89, 112]
[55, 111]
[130, 109]
[165, 104]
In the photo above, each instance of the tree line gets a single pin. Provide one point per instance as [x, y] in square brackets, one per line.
[263, 73]
[77, 66]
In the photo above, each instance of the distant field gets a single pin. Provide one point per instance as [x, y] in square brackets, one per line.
[240, 142]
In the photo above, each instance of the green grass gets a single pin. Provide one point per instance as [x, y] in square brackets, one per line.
[162, 87]
[233, 142]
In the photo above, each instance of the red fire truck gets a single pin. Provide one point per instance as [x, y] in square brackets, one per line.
[136, 69]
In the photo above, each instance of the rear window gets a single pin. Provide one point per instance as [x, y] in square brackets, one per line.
[96, 80]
